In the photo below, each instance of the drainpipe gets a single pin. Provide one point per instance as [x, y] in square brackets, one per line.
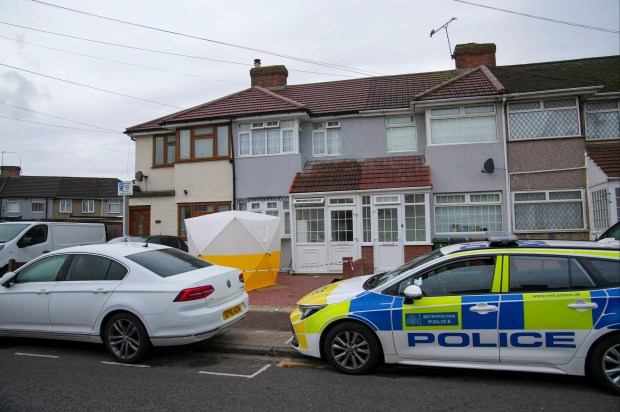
[232, 162]
[506, 174]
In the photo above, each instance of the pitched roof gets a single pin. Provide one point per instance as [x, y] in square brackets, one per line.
[606, 156]
[60, 187]
[396, 92]
[362, 174]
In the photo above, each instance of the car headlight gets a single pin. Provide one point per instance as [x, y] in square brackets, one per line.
[307, 311]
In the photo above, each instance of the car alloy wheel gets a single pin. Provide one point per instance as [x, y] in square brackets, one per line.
[604, 363]
[126, 339]
[352, 348]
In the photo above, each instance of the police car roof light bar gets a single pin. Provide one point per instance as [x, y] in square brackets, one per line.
[501, 239]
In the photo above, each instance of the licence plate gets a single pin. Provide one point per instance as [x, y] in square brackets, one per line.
[229, 313]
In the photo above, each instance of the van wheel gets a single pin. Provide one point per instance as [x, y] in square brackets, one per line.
[352, 348]
[604, 363]
[126, 339]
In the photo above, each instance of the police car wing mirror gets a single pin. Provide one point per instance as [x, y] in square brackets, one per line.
[412, 292]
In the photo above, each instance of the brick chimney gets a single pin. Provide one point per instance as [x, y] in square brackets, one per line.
[10, 171]
[470, 55]
[269, 76]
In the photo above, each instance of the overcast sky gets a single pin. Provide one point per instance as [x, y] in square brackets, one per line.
[374, 37]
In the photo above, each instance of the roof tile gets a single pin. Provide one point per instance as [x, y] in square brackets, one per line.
[606, 156]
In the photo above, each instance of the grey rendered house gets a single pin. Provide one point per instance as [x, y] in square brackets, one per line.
[381, 168]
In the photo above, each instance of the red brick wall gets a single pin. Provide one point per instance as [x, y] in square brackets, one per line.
[468, 56]
[369, 259]
[270, 76]
[352, 268]
[412, 252]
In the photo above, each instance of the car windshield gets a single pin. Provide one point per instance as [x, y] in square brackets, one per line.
[381, 278]
[168, 262]
[8, 231]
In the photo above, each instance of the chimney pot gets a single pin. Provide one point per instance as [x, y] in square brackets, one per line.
[256, 62]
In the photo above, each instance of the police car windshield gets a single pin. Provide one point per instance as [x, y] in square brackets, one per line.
[381, 278]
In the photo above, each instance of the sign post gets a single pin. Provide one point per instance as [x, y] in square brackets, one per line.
[125, 189]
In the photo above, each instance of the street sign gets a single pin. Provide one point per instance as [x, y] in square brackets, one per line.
[125, 188]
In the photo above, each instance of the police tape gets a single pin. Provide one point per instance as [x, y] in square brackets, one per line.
[297, 268]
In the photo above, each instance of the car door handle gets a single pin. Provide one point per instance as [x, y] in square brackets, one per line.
[581, 305]
[44, 292]
[100, 290]
[483, 308]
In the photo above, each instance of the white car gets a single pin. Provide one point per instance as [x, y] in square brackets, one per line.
[127, 295]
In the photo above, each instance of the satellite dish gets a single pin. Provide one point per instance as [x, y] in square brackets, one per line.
[140, 176]
[489, 166]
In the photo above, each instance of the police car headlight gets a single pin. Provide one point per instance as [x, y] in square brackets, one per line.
[307, 311]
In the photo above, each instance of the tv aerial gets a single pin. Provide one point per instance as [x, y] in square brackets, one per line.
[445, 27]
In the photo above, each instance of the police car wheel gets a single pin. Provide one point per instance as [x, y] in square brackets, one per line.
[604, 363]
[352, 348]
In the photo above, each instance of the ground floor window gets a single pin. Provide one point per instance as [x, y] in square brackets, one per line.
[189, 210]
[600, 209]
[88, 206]
[66, 205]
[12, 206]
[310, 225]
[549, 210]
[271, 207]
[468, 212]
[415, 218]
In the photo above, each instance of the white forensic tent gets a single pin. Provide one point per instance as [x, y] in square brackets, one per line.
[244, 240]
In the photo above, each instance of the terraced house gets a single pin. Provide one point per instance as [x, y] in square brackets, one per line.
[383, 168]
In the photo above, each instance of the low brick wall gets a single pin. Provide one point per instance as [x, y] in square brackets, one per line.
[352, 268]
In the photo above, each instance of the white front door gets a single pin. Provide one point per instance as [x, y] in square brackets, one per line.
[389, 238]
[342, 238]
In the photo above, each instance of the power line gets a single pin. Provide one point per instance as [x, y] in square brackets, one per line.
[61, 118]
[55, 125]
[320, 63]
[583, 26]
[148, 50]
[90, 87]
[118, 62]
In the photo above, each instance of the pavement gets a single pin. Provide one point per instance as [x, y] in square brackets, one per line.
[266, 329]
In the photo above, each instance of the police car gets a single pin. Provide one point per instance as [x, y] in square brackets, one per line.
[504, 304]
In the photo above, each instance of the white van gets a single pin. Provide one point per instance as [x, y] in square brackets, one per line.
[24, 241]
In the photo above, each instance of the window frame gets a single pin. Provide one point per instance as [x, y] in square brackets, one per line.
[430, 117]
[195, 137]
[313, 236]
[62, 206]
[548, 201]
[38, 202]
[13, 202]
[168, 140]
[265, 126]
[587, 121]
[87, 202]
[467, 203]
[114, 202]
[325, 128]
[411, 125]
[542, 109]
[281, 209]
[193, 212]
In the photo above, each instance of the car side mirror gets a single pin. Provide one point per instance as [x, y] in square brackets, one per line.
[7, 278]
[412, 292]
[25, 242]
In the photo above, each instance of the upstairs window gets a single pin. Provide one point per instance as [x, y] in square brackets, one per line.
[164, 150]
[203, 143]
[401, 134]
[114, 206]
[326, 139]
[603, 120]
[38, 206]
[66, 206]
[266, 138]
[88, 206]
[543, 118]
[12, 206]
[463, 124]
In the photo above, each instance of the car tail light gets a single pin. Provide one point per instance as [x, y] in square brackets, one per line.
[241, 278]
[188, 294]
